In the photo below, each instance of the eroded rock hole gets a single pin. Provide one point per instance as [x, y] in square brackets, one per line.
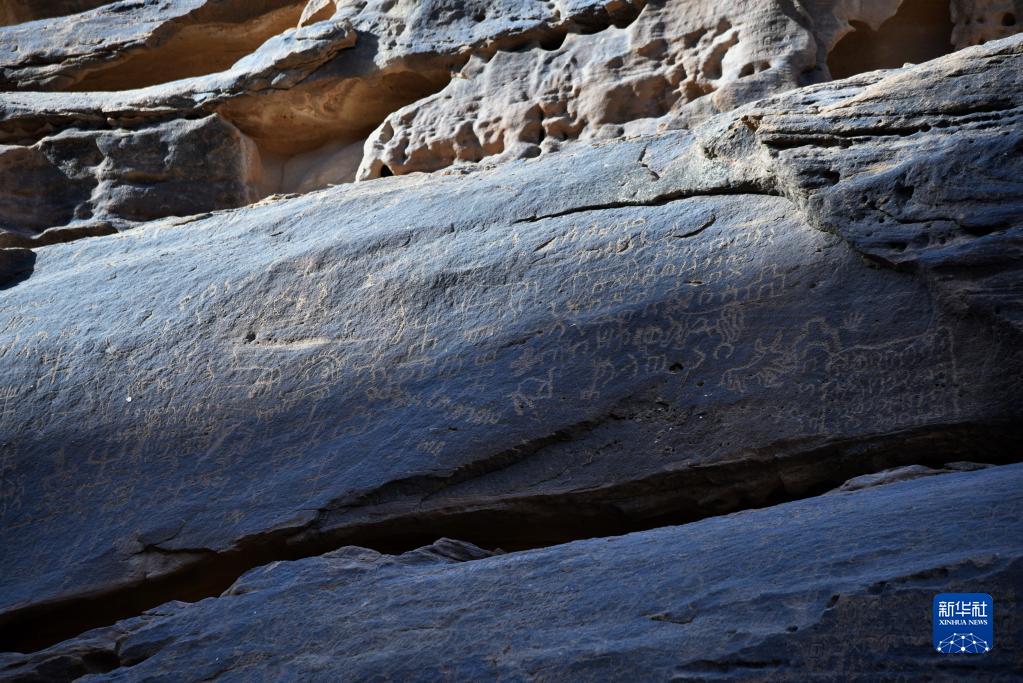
[553, 41]
[921, 30]
[310, 137]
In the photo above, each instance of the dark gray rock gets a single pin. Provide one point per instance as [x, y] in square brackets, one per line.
[15, 265]
[611, 338]
[835, 588]
[83, 179]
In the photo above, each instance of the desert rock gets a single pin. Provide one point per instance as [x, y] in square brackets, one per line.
[657, 604]
[486, 325]
[609, 345]
[329, 93]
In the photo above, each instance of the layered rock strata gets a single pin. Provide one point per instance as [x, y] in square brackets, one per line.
[464, 356]
[646, 266]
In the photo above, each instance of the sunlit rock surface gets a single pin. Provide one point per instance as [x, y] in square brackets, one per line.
[661, 268]
[325, 93]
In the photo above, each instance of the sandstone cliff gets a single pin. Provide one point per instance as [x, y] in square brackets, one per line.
[291, 294]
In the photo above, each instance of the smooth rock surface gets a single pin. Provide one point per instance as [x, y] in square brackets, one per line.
[523, 354]
[819, 589]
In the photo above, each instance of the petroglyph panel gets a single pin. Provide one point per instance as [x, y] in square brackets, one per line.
[311, 379]
[594, 325]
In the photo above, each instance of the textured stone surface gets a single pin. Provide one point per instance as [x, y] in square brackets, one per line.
[115, 160]
[674, 63]
[130, 44]
[307, 97]
[677, 63]
[365, 89]
[905, 473]
[978, 21]
[831, 588]
[97, 180]
[214, 364]
[19, 11]
[462, 355]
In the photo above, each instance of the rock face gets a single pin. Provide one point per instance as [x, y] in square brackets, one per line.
[365, 89]
[20, 11]
[131, 44]
[675, 64]
[636, 297]
[306, 108]
[95, 180]
[673, 603]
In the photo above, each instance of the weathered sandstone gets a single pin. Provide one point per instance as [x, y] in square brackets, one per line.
[829, 603]
[644, 265]
[135, 43]
[364, 89]
[461, 355]
[20, 11]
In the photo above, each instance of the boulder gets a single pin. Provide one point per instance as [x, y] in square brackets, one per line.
[95, 180]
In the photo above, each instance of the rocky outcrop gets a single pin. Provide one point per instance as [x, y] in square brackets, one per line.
[786, 593]
[104, 164]
[20, 11]
[95, 181]
[665, 269]
[978, 21]
[369, 89]
[673, 66]
[306, 99]
[461, 355]
[124, 45]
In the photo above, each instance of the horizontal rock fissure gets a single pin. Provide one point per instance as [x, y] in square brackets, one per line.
[659, 200]
[783, 473]
[852, 136]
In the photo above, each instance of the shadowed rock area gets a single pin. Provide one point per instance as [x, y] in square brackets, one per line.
[670, 603]
[647, 276]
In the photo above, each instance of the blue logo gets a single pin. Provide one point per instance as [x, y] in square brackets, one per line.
[964, 623]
